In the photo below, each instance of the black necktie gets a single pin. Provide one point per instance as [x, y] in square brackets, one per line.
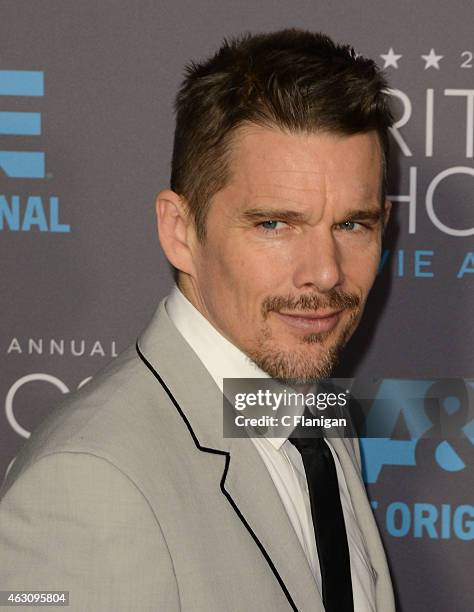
[328, 521]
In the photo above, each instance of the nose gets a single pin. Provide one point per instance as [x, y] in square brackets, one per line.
[317, 263]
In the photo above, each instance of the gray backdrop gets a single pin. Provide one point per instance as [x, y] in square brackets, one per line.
[86, 124]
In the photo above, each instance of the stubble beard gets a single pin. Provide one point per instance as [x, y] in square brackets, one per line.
[303, 365]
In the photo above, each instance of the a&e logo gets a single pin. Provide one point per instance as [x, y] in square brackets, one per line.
[436, 415]
[426, 428]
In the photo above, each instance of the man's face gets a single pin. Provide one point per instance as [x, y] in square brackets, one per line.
[292, 247]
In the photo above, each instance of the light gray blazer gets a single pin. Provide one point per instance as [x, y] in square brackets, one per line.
[129, 498]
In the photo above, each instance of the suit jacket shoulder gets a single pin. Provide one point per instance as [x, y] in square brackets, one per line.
[117, 416]
[132, 475]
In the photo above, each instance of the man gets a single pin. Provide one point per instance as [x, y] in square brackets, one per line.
[129, 496]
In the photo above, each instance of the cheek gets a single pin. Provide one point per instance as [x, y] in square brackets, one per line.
[360, 265]
[229, 279]
[252, 270]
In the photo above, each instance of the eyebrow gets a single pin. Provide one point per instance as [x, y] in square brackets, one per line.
[365, 214]
[257, 214]
[292, 216]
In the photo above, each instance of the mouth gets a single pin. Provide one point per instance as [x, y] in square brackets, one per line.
[314, 322]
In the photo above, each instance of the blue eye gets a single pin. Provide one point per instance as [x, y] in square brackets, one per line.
[269, 225]
[348, 225]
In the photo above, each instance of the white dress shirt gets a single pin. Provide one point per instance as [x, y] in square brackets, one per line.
[222, 359]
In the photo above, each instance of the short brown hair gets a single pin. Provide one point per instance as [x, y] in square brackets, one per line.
[291, 79]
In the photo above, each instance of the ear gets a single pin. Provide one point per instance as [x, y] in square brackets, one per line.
[175, 230]
[387, 207]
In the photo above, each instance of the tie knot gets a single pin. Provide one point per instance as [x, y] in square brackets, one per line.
[307, 445]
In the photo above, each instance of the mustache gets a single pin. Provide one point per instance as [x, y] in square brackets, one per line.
[335, 298]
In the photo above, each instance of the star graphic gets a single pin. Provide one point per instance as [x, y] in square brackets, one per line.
[390, 59]
[432, 60]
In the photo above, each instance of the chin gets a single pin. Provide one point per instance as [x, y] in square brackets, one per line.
[300, 364]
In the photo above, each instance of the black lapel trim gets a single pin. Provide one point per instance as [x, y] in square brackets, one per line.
[224, 475]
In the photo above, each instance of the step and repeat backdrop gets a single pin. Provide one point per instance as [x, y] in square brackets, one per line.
[86, 127]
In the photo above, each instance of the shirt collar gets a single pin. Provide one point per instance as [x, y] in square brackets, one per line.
[221, 358]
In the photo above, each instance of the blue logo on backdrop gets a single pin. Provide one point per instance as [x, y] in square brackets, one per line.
[439, 434]
[21, 164]
[412, 401]
[25, 212]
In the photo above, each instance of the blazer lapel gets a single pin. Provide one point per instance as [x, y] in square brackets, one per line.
[245, 482]
[252, 490]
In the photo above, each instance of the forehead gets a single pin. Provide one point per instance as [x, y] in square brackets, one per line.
[269, 158]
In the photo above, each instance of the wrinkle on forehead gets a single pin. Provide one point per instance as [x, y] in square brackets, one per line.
[277, 185]
[298, 168]
[355, 192]
[316, 180]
